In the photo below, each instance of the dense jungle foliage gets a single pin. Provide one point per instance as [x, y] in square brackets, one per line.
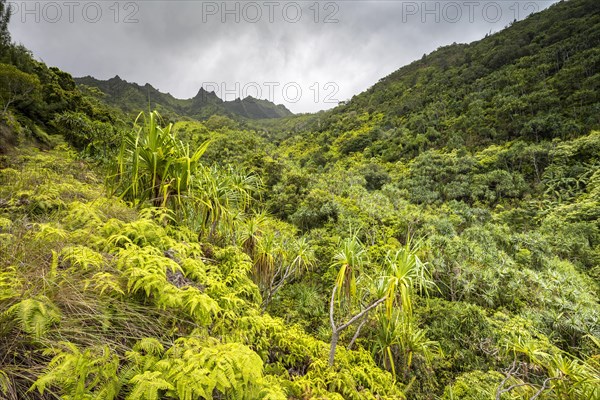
[438, 237]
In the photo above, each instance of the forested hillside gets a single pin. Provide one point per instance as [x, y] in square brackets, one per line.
[437, 237]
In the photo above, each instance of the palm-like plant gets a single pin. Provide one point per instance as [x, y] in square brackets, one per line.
[222, 195]
[277, 254]
[154, 166]
[296, 256]
[405, 272]
[350, 259]
[398, 340]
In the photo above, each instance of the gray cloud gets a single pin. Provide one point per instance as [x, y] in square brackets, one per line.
[179, 45]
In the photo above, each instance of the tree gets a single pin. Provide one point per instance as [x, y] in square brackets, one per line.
[278, 256]
[15, 85]
[5, 13]
[402, 272]
[350, 259]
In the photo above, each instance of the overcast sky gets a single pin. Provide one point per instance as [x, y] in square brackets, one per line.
[304, 54]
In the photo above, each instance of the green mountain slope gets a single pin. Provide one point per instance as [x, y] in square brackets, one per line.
[131, 97]
[451, 213]
[536, 80]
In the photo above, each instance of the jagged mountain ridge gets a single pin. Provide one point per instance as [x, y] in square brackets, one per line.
[131, 97]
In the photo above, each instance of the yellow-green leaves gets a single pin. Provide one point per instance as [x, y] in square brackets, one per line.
[35, 315]
[88, 374]
[148, 386]
[154, 166]
[350, 259]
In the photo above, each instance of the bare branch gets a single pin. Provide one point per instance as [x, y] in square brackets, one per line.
[513, 368]
[364, 321]
[331, 309]
[544, 387]
[363, 312]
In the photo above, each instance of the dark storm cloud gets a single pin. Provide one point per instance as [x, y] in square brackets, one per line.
[179, 45]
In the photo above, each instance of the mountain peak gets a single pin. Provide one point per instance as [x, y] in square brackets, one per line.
[131, 97]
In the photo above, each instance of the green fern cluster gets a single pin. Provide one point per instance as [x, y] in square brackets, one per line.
[300, 361]
[106, 302]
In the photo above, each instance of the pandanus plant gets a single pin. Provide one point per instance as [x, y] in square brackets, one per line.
[153, 165]
[402, 273]
[278, 256]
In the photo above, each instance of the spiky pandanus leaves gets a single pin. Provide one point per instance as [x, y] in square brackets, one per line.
[398, 340]
[278, 256]
[544, 369]
[350, 259]
[153, 165]
[251, 232]
[405, 272]
[223, 195]
[267, 256]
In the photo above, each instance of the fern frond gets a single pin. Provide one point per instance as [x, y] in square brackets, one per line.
[35, 315]
[200, 306]
[10, 284]
[147, 386]
[82, 258]
[48, 232]
[83, 215]
[149, 346]
[91, 373]
[104, 282]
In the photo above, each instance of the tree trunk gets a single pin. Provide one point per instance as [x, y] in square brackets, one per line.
[334, 339]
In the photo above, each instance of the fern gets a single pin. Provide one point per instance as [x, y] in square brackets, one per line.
[145, 269]
[35, 315]
[80, 375]
[147, 386]
[198, 305]
[197, 369]
[82, 258]
[48, 232]
[104, 282]
[10, 284]
[149, 346]
[5, 224]
[83, 215]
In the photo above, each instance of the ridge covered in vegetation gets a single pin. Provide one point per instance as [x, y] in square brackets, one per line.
[132, 97]
[438, 237]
